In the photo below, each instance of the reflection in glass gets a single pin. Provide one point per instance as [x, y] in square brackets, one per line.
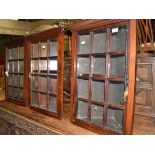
[21, 66]
[10, 67]
[117, 66]
[98, 91]
[21, 80]
[82, 88]
[16, 66]
[115, 119]
[21, 94]
[83, 66]
[9, 54]
[53, 65]
[82, 111]
[116, 92]
[34, 65]
[43, 84]
[34, 83]
[34, 101]
[35, 50]
[53, 48]
[98, 65]
[43, 52]
[97, 115]
[15, 79]
[52, 104]
[53, 85]
[84, 44]
[15, 53]
[10, 79]
[43, 65]
[21, 52]
[43, 101]
[99, 42]
[15, 92]
[118, 39]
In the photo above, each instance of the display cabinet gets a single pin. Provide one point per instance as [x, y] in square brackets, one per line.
[103, 69]
[46, 71]
[15, 58]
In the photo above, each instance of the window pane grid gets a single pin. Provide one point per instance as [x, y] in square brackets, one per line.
[101, 69]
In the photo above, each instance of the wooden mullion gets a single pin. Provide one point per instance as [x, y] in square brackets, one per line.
[38, 74]
[48, 55]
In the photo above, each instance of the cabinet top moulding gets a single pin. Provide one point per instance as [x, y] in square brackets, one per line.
[94, 23]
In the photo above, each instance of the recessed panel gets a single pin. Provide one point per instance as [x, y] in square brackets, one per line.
[97, 115]
[10, 79]
[15, 93]
[116, 92]
[34, 99]
[82, 88]
[21, 80]
[53, 48]
[21, 52]
[10, 66]
[21, 66]
[82, 110]
[15, 67]
[84, 44]
[43, 84]
[98, 91]
[34, 82]
[10, 91]
[15, 79]
[115, 119]
[35, 50]
[34, 66]
[99, 42]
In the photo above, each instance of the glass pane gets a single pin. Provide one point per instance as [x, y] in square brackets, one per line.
[21, 52]
[21, 66]
[10, 67]
[43, 52]
[115, 119]
[9, 54]
[16, 66]
[15, 80]
[84, 44]
[34, 83]
[53, 85]
[34, 101]
[117, 66]
[10, 79]
[21, 94]
[34, 65]
[53, 65]
[43, 65]
[43, 101]
[53, 48]
[52, 104]
[35, 50]
[21, 80]
[99, 42]
[43, 84]
[98, 91]
[15, 53]
[116, 92]
[98, 65]
[97, 115]
[118, 38]
[10, 91]
[83, 66]
[15, 92]
[82, 88]
[82, 112]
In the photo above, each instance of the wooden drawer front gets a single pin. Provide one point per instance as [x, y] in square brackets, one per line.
[25, 125]
[144, 73]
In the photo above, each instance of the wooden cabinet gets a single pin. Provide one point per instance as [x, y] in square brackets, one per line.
[145, 88]
[103, 67]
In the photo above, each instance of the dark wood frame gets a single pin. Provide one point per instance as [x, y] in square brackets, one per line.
[89, 25]
[53, 34]
[13, 44]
